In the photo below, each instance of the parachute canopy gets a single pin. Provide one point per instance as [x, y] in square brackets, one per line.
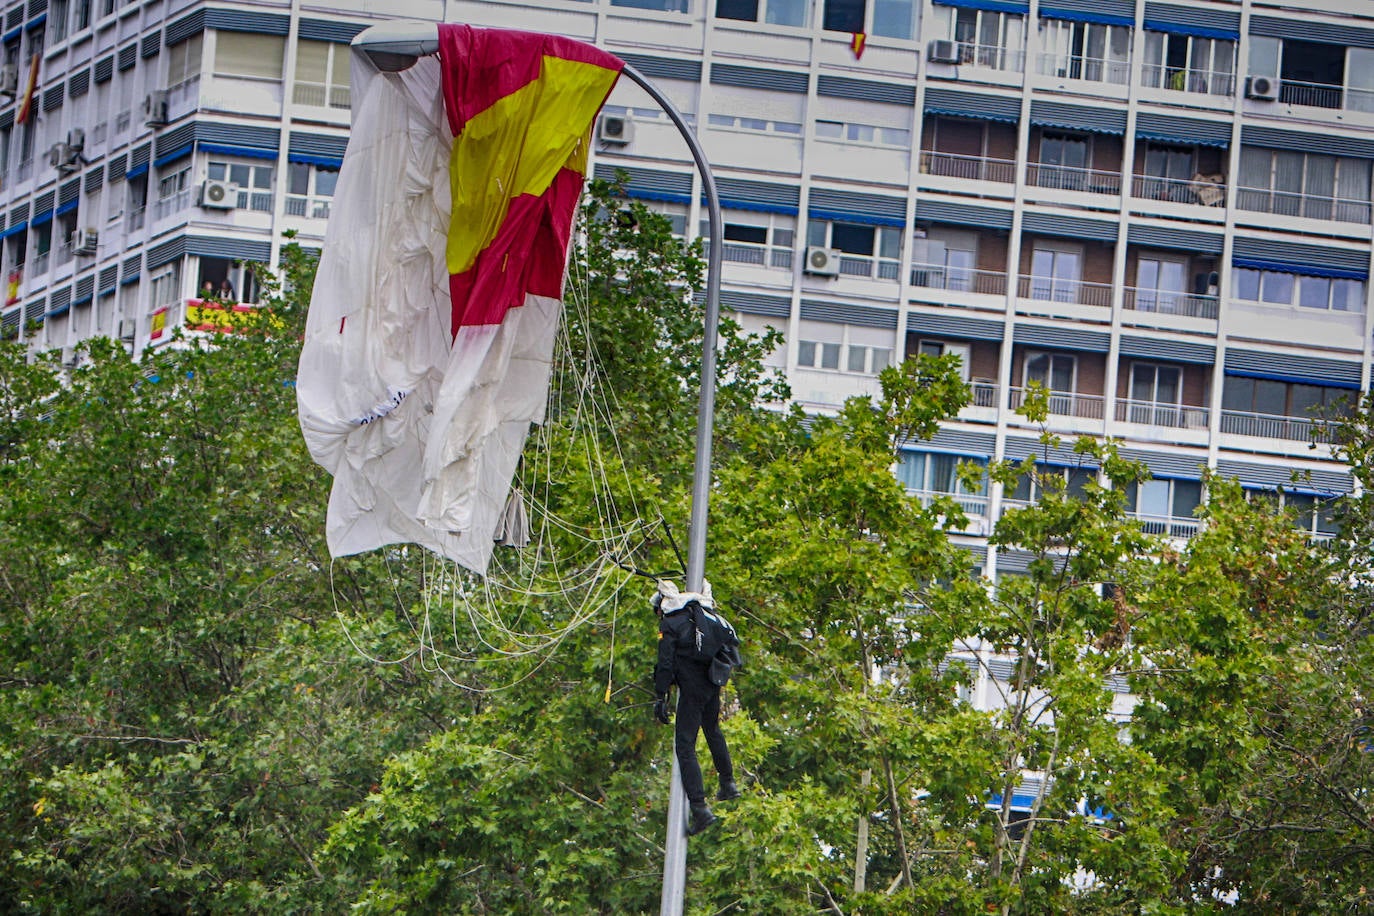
[430, 335]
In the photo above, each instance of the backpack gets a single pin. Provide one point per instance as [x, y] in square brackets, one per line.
[716, 642]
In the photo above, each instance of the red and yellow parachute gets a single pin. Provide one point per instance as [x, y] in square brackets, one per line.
[430, 335]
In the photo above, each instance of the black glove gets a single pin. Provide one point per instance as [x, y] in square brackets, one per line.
[661, 711]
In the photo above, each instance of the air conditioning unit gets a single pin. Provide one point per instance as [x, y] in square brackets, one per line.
[615, 129]
[76, 139]
[943, 51]
[155, 108]
[217, 194]
[9, 80]
[1264, 88]
[823, 262]
[84, 241]
[63, 158]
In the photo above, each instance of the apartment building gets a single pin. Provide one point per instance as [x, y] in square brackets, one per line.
[1161, 211]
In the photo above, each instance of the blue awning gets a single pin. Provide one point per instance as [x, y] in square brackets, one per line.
[12, 34]
[36, 23]
[60, 310]
[131, 278]
[42, 218]
[14, 230]
[324, 162]
[953, 112]
[1049, 12]
[136, 172]
[1155, 25]
[997, 6]
[247, 152]
[860, 219]
[83, 300]
[1180, 140]
[756, 206]
[178, 153]
[68, 207]
[1302, 270]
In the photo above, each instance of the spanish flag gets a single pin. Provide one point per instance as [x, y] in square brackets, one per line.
[429, 341]
[26, 106]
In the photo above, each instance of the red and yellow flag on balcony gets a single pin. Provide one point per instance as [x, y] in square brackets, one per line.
[430, 335]
[30, 89]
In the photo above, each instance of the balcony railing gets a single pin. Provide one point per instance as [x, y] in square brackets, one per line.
[24, 170]
[856, 265]
[1311, 206]
[973, 506]
[1054, 289]
[1269, 426]
[754, 253]
[1092, 69]
[1168, 525]
[321, 95]
[1066, 403]
[1072, 178]
[991, 56]
[260, 201]
[39, 264]
[1154, 413]
[1207, 190]
[1312, 95]
[1207, 82]
[63, 253]
[121, 124]
[984, 393]
[960, 279]
[1170, 303]
[174, 203]
[972, 168]
[313, 207]
[136, 218]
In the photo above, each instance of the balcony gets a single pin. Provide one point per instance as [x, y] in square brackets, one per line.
[64, 253]
[959, 279]
[39, 264]
[857, 265]
[175, 203]
[1206, 82]
[1055, 289]
[1072, 178]
[969, 168]
[1092, 69]
[983, 393]
[974, 507]
[314, 207]
[993, 57]
[1207, 190]
[1311, 95]
[1170, 303]
[758, 255]
[1066, 403]
[1154, 413]
[1268, 426]
[1172, 526]
[321, 95]
[1309, 206]
[136, 218]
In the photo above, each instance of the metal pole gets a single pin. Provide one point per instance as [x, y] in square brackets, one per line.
[675, 851]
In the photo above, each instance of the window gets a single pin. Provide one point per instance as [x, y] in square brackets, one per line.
[941, 348]
[1168, 172]
[1086, 50]
[1161, 504]
[775, 12]
[1055, 371]
[1296, 183]
[171, 185]
[1191, 63]
[310, 189]
[250, 55]
[254, 181]
[948, 262]
[867, 134]
[58, 17]
[166, 286]
[866, 251]
[843, 16]
[183, 61]
[1315, 515]
[1063, 161]
[986, 38]
[81, 15]
[1156, 396]
[1160, 283]
[931, 472]
[763, 239]
[666, 6]
[322, 74]
[762, 125]
[1055, 272]
[1281, 399]
[1051, 479]
[843, 348]
[1273, 287]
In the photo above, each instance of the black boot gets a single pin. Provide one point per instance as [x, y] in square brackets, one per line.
[728, 791]
[701, 818]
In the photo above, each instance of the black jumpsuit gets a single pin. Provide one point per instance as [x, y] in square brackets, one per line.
[698, 705]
